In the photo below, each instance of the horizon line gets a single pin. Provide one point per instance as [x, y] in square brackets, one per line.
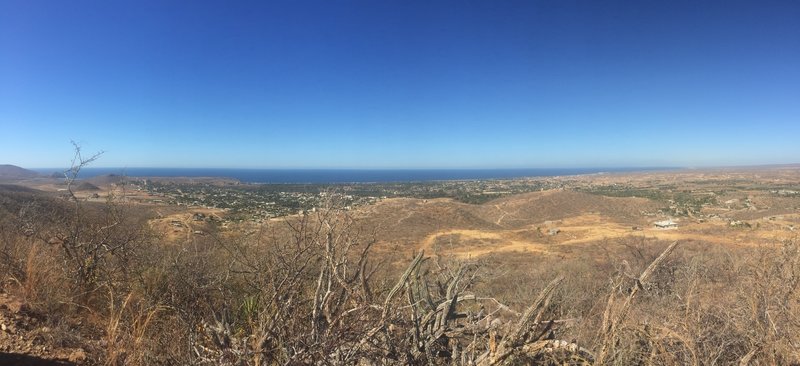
[384, 168]
[639, 167]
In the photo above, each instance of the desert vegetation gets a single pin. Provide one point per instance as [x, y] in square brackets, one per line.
[95, 283]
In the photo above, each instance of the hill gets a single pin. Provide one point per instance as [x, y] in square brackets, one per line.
[86, 186]
[522, 210]
[8, 172]
[408, 221]
[511, 212]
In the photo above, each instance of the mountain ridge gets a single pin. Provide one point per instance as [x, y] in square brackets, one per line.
[8, 171]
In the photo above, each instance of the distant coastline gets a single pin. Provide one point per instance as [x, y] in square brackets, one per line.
[331, 176]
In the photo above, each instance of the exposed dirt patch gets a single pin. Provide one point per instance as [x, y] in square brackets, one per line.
[25, 340]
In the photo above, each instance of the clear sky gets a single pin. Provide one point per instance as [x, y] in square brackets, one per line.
[400, 84]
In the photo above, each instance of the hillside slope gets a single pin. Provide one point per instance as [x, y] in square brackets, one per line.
[517, 220]
[10, 172]
[526, 209]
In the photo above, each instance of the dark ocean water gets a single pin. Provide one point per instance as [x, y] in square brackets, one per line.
[345, 175]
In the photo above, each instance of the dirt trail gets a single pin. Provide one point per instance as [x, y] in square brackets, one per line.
[465, 251]
[504, 214]
[576, 230]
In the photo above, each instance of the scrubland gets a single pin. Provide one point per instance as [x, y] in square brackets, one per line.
[401, 282]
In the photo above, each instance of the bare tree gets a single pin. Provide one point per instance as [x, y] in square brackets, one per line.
[91, 244]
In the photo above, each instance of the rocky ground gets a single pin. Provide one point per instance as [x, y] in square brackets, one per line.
[26, 340]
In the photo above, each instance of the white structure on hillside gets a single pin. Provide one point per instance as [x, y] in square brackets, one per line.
[666, 224]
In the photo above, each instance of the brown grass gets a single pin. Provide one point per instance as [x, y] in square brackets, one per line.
[326, 289]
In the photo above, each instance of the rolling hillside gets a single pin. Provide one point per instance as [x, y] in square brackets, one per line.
[13, 172]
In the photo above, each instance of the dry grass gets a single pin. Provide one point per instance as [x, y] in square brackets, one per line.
[311, 289]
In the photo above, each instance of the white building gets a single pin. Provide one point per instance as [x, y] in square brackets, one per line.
[666, 224]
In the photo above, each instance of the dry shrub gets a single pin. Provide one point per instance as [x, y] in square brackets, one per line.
[313, 292]
[128, 336]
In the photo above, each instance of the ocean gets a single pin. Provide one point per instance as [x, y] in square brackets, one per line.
[321, 176]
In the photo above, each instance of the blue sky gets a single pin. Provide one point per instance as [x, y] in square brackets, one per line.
[400, 84]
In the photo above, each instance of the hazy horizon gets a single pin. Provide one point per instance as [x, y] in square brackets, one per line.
[91, 166]
[400, 85]
[99, 165]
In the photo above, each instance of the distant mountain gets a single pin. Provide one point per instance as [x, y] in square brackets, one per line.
[8, 171]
